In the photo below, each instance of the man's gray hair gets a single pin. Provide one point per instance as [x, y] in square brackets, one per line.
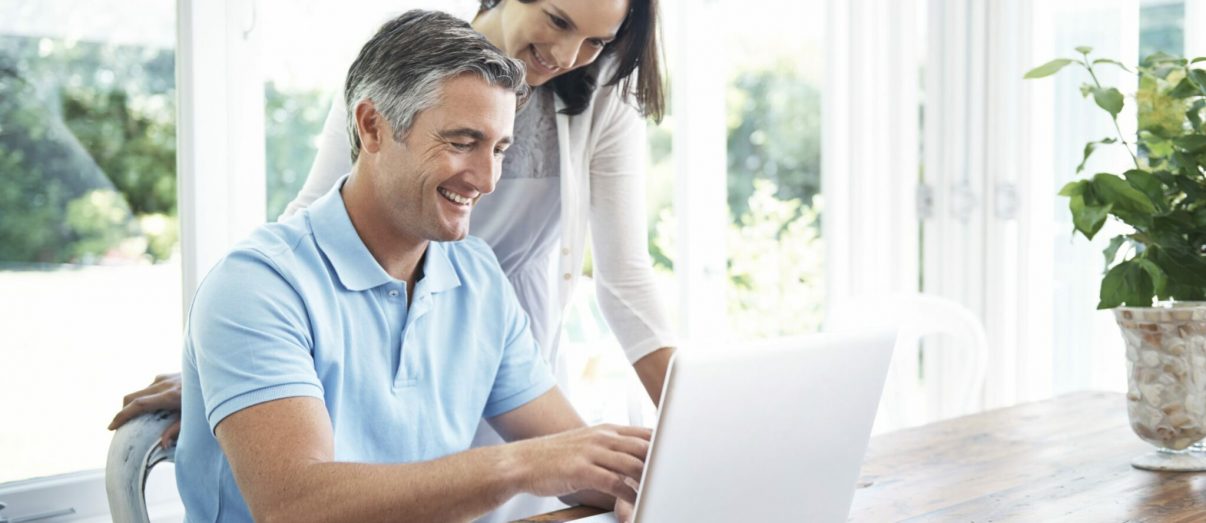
[403, 67]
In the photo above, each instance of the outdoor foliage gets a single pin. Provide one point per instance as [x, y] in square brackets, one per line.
[44, 173]
[774, 134]
[88, 150]
[775, 253]
[1163, 199]
[776, 265]
[293, 120]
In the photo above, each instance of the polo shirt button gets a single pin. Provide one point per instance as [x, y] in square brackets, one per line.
[567, 276]
[565, 251]
[393, 293]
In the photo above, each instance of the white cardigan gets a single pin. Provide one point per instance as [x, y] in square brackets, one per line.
[603, 159]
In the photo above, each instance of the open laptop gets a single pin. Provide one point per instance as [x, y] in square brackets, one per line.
[769, 432]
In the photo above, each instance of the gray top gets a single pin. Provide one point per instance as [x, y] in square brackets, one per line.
[521, 219]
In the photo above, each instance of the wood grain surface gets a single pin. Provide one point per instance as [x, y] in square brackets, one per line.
[1064, 459]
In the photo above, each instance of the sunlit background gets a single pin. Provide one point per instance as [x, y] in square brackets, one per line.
[91, 299]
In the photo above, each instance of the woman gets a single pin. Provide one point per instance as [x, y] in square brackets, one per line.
[578, 159]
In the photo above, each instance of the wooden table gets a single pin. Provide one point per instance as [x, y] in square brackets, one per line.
[1065, 459]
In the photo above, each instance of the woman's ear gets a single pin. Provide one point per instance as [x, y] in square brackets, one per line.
[370, 126]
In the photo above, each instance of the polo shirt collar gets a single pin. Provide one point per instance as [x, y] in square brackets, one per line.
[354, 264]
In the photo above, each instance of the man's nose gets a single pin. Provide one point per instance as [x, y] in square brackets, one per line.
[486, 172]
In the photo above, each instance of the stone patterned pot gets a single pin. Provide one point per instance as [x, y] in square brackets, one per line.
[1166, 378]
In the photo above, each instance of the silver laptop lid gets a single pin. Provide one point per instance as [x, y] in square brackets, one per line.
[768, 432]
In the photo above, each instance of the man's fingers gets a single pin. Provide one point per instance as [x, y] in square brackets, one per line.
[635, 432]
[623, 512]
[612, 484]
[635, 447]
[622, 463]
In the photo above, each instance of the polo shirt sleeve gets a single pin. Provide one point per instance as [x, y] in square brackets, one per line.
[523, 375]
[250, 337]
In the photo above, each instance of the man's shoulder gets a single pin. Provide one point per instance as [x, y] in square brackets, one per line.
[473, 259]
[273, 251]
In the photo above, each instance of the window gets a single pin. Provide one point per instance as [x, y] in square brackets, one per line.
[90, 278]
[736, 162]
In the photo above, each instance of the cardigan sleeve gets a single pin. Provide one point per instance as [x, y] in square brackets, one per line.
[334, 159]
[624, 280]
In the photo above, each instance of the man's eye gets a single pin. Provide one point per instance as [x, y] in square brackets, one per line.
[500, 152]
[461, 146]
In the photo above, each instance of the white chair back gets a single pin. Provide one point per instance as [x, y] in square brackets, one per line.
[926, 382]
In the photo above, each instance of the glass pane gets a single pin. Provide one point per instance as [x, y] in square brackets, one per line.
[89, 251]
[774, 65]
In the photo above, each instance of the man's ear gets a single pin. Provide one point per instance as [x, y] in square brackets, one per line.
[371, 126]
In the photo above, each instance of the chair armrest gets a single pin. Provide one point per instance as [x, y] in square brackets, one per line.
[135, 449]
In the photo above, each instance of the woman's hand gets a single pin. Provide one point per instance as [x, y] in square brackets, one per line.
[161, 394]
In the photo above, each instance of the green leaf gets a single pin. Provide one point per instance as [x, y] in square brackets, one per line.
[1075, 188]
[1089, 147]
[1194, 114]
[1084, 49]
[1155, 273]
[1193, 144]
[1126, 284]
[1199, 77]
[1159, 57]
[1183, 266]
[1190, 187]
[1109, 99]
[1088, 219]
[1115, 190]
[1148, 184]
[1198, 59]
[1157, 146]
[1199, 217]
[1085, 89]
[1048, 68]
[1112, 250]
[1184, 89]
[1111, 62]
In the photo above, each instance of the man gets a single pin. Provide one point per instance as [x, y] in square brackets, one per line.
[336, 364]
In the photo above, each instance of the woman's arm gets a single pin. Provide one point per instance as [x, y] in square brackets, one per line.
[625, 284]
[332, 161]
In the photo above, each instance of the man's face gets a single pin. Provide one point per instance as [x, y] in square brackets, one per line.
[428, 183]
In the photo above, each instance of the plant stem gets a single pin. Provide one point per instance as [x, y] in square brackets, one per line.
[1113, 117]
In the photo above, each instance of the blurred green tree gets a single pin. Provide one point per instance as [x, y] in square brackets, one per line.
[774, 134]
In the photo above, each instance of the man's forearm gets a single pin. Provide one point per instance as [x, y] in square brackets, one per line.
[459, 487]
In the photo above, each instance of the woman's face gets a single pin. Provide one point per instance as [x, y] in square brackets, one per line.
[553, 37]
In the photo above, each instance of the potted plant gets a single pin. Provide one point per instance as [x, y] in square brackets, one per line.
[1155, 278]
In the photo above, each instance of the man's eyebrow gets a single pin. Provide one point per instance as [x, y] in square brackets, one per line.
[463, 132]
[570, 21]
[469, 132]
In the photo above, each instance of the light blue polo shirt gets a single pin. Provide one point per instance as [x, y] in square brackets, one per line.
[301, 308]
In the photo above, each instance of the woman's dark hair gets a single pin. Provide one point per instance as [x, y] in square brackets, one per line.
[638, 65]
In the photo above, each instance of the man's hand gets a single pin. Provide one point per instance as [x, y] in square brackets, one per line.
[623, 511]
[604, 458]
[161, 394]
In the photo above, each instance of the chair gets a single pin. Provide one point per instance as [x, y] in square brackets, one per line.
[134, 451]
[922, 386]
